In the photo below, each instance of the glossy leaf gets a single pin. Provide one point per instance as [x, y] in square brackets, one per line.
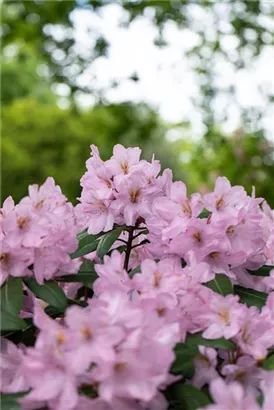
[220, 284]
[263, 271]
[204, 214]
[190, 397]
[133, 271]
[85, 275]
[184, 362]
[50, 292]
[107, 241]
[9, 401]
[10, 322]
[251, 297]
[199, 340]
[87, 244]
[11, 295]
[82, 234]
[268, 363]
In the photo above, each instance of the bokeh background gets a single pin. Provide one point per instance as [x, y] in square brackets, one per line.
[189, 81]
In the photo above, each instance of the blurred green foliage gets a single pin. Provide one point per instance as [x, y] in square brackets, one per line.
[40, 139]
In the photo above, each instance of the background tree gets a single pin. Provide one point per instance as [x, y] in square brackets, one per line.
[40, 53]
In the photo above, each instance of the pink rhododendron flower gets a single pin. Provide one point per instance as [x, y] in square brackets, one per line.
[230, 396]
[225, 318]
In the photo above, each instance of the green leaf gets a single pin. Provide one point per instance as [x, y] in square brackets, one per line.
[107, 241]
[268, 363]
[82, 234]
[50, 292]
[189, 397]
[204, 214]
[11, 295]
[121, 248]
[184, 361]
[220, 284]
[133, 271]
[87, 244]
[262, 271]
[251, 297]
[10, 322]
[88, 391]
[9, 401]
[221, 343]
[85, 275]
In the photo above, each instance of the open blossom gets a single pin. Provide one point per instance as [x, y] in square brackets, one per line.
[205, 366]
[225, 200]
[156, 278]
[14, 262]
[230, 396]
[112, 274]
[12, 378]
[246, 372]
[225, 318]
[124, 160]
[256, 334]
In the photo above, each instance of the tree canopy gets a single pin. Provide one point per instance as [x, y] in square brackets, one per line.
[43, 135]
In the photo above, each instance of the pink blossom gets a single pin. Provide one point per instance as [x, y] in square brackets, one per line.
[205, 366]
[256, 334]
[12, 379]
[14, 262]
[230, 396]
[225, 200]
[124, 160]
[225, 318]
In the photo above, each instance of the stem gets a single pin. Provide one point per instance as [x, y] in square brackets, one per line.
[140, 244]
[129, 247]
[122, 240]
[140, 233]
[86, 293]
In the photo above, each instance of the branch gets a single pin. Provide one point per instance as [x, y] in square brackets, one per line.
[129, 246]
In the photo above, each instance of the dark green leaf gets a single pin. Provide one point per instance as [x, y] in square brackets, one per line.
[87, 244]
[107, 241]
[251, 297]
[82, 234]
[184, 362]
[80, 303]
[263, 271]
[190, 397]
[50, 292]
[260, 400]
[204, 214]
[88, 391]
[268, 363]
[54, 312]
[133, 271]
[121, 248]
[85, 275]
[221, 343]
[9, 401]
[220, 284]
[11, 322]
[12, 295]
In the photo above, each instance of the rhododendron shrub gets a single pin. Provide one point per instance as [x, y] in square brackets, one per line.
[141, 297]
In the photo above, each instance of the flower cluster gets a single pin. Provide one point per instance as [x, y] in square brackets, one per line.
[38, 234]
[174, 297]
[119, 190]
[114, 345]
